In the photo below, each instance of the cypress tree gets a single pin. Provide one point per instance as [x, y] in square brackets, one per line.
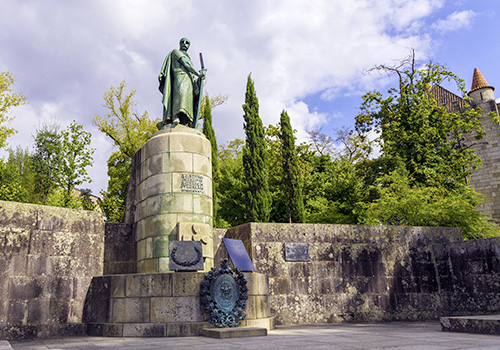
[208, 131]
[258, 198]
[291, 172]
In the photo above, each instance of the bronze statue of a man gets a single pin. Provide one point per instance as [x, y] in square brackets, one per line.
[181, 87]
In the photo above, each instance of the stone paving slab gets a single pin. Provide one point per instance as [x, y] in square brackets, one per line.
[393, 335]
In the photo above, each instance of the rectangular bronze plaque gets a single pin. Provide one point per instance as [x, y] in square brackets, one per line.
[238, 254]
[185, 256]
[191, 183]
[297, 252]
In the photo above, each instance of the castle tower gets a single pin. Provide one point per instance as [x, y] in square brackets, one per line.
[486, 179]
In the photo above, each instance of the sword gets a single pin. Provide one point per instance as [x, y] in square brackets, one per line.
[200, 96]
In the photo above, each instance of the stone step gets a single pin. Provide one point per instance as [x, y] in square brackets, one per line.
[237, 332]
[487, 324]
[171, 329]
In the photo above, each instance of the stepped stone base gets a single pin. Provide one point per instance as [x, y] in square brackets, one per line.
[240, 332]
[489, 324]
[162, 305]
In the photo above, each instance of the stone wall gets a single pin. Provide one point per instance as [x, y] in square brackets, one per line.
[119, 249]
[48, 258]
[372, 273]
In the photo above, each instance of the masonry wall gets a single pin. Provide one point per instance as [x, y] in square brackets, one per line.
[48, 257]
[373, 273]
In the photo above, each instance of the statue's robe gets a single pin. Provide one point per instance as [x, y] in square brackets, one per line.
[177, 85]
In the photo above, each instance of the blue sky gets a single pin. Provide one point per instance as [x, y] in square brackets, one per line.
[307, 57]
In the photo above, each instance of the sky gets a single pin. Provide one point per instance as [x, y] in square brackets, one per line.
[309, 58]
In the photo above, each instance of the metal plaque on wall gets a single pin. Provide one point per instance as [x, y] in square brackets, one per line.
[238, 254]
[297, 252]
[186, 255]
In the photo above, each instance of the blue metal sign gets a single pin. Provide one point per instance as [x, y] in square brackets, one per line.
[238, 254]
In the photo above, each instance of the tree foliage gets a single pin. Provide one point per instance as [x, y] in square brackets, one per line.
[255, 164]
[47, 159]
[209, 132]
[291, 173]
[427, 137]
[75, 157]
[129, 131]
[8, 100]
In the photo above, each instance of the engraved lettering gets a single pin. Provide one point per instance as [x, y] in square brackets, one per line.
[191, 183]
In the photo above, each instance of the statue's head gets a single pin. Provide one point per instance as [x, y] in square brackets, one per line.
[184, 44]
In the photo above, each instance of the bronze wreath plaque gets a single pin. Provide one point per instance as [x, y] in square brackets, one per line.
[224, 294]
[186, 256]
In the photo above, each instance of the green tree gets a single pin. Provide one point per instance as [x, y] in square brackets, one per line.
[209, 132]
[86, 199]
[18, 177]
[129, 131]
[427, 137]
[255, 159]
[47, 159]
[75, 157]
[8, 100]
[421, 178]
[291, 171]
[231, 185]
[402, 203]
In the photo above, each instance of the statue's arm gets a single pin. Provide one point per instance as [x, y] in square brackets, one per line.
[189, 66]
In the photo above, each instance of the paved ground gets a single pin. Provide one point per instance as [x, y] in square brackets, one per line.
[394, 335]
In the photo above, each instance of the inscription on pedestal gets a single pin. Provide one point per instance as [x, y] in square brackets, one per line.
[191, 183]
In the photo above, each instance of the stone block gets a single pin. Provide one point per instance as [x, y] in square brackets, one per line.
[202, 165]
[186, 283]
[239, 332]
[59, 311]
[182, 161]
[130, 310]
[163, 265]
[188, 142]
[148, 245]
[202, 204]
[144, 330]
[262, 306]
[161, 247]
[153, 165]
[178, 203]
[156, 184]
[191, 329]
[158, 144]
[251, 309]
[156, 225]
[176, 309]
[195, 217]
[149, 265]
[138, 285]
[113, 330]
[75, 310]
[189, 231]
[161, 284]
[38, 311]
[141, 249]
[95, 330]
[268, 323]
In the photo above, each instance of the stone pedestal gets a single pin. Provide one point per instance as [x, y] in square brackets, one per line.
[173, 196]
[163, 305]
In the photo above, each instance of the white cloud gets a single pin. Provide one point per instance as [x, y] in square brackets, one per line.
[456, 20]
